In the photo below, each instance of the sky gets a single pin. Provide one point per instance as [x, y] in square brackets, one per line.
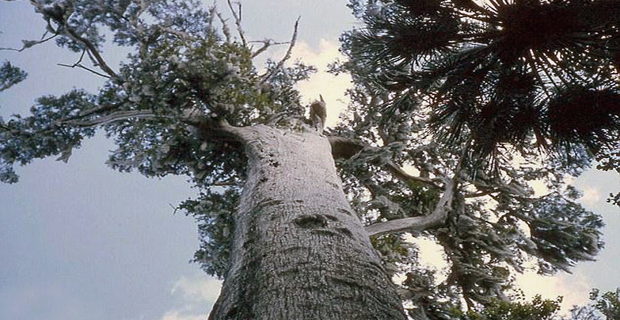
[79, 241]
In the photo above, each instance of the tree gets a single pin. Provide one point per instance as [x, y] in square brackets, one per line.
[275, 220]
[502, 73]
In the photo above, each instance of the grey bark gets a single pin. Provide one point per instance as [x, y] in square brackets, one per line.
[299, 251]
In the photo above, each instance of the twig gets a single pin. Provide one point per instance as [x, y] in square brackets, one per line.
[85, 68]
[79, 65]
[266, 44]
[225, 29]
[29, 44]
[237, 16]
[93, 52]
[288, 52]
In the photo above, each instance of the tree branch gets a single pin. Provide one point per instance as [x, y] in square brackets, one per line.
[79, 65]
[59, 14]
[30, 43]
[400, 174]
[225, 29]
[345, 148]
[237, 16]
[116, 116]
[93, 52]
[288, 54]
[419, 224]
[267, 43]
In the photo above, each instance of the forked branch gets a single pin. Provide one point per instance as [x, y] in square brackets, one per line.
[59, 15]
[287, 56]
[237, 16]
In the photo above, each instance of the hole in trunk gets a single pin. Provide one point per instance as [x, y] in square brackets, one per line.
[310, 222]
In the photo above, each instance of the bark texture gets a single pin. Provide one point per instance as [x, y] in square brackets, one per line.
[299, 250]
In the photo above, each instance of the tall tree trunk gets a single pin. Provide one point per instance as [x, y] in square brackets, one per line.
[299, 250]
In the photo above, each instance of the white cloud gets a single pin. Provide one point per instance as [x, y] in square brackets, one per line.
[331, 87]
[591, 195]
[196, 294]
[197, 290]
[574, 288]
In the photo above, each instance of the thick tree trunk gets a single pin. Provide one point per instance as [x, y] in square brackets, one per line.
[299, 250]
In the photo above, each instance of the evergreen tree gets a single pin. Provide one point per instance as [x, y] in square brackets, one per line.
[502, 74]
[291, 238]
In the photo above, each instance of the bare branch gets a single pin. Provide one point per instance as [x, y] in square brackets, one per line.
[93, 52]
[267, 43]
[60, 18]
[288, 54]
[85, 68]
[116, 116]
[419, 224]
[237, 16]
[225, 29]
[78, 64]
[29, 44]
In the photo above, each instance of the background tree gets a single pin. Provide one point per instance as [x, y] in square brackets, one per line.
[188, 99]
[503, 74]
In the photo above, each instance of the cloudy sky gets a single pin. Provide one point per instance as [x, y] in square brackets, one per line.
[79, 241]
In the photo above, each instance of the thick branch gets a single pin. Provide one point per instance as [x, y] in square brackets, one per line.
[419, 224]
[400, 174]
[344, 148]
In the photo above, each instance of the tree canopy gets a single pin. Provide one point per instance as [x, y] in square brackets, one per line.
[443, 92]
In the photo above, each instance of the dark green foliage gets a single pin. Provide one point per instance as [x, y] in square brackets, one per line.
[23, 139]
[500, 73]
[495, 223]
[562, 239]
[10, 75]
[215, 227]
